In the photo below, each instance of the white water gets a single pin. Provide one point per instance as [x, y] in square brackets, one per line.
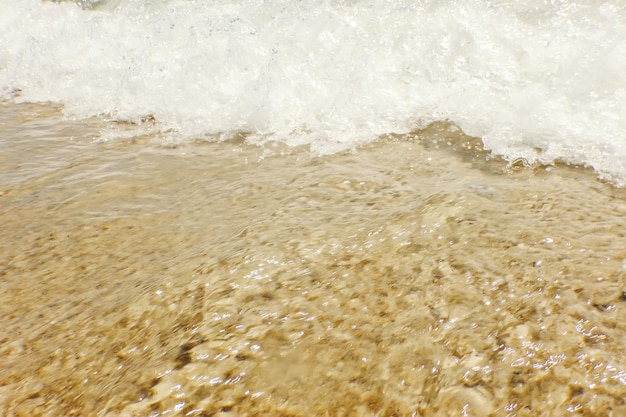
[538, 80]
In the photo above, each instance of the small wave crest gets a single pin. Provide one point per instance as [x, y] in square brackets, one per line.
[539, 82]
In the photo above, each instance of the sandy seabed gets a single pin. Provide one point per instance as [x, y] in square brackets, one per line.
[413, 276]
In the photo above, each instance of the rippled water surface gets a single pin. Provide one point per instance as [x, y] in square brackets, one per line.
[410, 277]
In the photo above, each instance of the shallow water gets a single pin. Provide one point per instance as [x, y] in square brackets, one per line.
[413, 276]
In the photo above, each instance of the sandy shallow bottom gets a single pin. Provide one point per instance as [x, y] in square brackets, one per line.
[411, 277]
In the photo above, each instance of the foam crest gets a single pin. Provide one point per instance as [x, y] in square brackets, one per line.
[537, 81]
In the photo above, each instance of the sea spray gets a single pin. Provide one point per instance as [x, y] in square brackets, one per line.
[535, 81]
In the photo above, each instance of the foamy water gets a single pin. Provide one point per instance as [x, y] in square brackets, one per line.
[538, 82]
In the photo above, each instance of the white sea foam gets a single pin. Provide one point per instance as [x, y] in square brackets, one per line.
[539, 80]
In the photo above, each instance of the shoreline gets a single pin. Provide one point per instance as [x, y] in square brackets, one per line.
[218, 277]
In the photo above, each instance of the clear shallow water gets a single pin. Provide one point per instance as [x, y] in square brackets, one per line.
[412, 276]
[536, 81]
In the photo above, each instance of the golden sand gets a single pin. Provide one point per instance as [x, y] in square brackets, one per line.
[411, 277]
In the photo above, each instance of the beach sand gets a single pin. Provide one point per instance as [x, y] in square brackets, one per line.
[413, 276]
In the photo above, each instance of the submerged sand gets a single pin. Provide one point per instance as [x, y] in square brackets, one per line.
[414, 276]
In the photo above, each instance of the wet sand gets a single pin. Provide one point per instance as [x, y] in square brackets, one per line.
[414, 276]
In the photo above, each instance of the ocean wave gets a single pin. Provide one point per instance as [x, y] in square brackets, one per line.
[539, 81]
